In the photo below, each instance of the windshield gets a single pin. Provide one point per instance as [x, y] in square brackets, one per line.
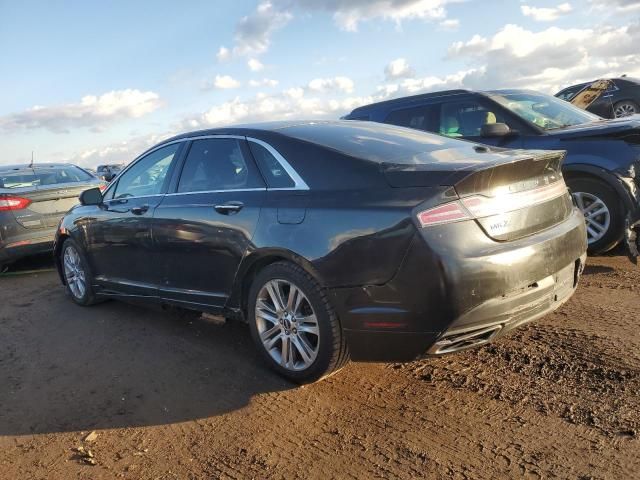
[545, 111]
[42, 176]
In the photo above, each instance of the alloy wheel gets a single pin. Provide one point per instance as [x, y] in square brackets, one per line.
[596, 215]
[624, 110]
[287, 325]
[74, 272]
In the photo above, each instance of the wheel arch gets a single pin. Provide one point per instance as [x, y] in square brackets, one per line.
[611, 180]
[251, 265]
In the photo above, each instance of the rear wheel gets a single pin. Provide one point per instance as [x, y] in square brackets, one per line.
[625, 108]
[294, 325]
[76, 274]
[602, 210]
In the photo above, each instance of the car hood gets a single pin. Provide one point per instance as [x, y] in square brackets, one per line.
[618, 127]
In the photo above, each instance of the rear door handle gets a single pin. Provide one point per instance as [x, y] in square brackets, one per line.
[229, 208]
[141, 210]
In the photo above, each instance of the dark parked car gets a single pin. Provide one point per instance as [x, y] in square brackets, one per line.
[33, 199]
[601, 168]
[333, 239]
[620, 99]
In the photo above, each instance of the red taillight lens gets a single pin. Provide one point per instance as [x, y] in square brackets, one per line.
[102, 187]
[13, 203]
[447, 213]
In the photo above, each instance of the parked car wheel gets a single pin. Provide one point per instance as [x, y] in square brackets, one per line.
[294, 325]
[603, 213]
[77, 274]
[625, 108]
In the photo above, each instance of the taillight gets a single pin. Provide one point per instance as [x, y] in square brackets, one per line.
[447, 213]
[13, 203]
[480, 206]
[102, 187]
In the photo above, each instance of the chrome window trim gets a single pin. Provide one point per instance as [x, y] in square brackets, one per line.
[299, 183]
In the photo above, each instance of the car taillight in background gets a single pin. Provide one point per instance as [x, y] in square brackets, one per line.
[8, 202]
[479, 206]
[102, 187]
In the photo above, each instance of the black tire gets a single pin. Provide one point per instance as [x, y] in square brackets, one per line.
[88, 297]
[332, 352]
[610, 198]
[629, 106]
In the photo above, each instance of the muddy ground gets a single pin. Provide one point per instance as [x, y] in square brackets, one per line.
[171, 396]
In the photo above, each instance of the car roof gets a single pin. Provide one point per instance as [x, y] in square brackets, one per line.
[257, 128]
[412, 98]
[404, 101]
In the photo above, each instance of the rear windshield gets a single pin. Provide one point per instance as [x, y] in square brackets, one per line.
[375, 142]
[42, 176]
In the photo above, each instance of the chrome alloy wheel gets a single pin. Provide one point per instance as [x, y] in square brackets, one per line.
[74, 273]
[287, 325]
[596, 215]
[624, 110]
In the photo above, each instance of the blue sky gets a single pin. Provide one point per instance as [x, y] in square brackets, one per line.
[91, 82]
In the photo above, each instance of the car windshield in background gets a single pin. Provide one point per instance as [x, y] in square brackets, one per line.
[544, 111]
[36, 177]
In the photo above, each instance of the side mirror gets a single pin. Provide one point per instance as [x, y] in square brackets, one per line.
[93, 196]
[495, 130]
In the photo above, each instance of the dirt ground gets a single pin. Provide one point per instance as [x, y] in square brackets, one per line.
[173, 397]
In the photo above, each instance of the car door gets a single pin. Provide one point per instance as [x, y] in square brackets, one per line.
[119, 241]
[203, 229]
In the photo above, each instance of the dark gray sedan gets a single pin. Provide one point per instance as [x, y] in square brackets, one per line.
[33, 199]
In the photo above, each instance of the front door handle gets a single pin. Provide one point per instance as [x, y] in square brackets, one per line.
[141, 210]
[229, 208]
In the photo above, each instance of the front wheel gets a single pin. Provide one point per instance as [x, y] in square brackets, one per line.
[294, 325]
[76, 274]
[603, 212]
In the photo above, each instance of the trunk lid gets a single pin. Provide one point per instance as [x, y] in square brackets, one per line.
[511, 194]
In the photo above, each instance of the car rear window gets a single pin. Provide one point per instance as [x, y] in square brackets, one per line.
[42, 176]
[374, 141]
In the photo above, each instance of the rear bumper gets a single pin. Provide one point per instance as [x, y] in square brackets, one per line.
[456, 282]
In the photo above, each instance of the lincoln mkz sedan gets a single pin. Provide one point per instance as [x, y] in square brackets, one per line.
[333, 240]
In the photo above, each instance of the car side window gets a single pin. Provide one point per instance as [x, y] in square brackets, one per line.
[148, 175]
[466, 118]
[217, 164]
[421, 118]
[569, 93]
[273, 172]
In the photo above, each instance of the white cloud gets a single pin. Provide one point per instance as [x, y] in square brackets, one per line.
[253, 32]
[348, 14]
[548, 59]
[265, 82]
[450, 24]
[225, 82]
[93, 112]
[223, 54]
[621, 6]
[344, 84]
[398, 68]
[546, 14]
[255, 65]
